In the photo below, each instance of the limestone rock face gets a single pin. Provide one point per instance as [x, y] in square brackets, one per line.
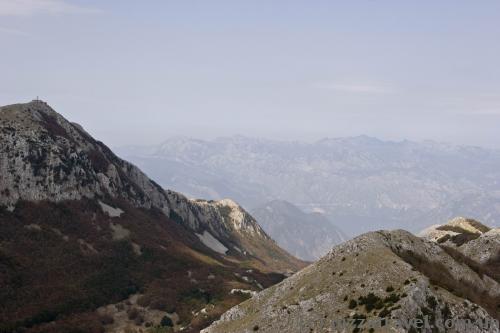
[234, 227]
[236, 218]
[45, 157]
[484, 248]
[391, 275]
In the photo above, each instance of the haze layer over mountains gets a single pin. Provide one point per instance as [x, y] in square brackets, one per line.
[358, 183]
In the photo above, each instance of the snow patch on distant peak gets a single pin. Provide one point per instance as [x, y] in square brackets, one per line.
[212, 242]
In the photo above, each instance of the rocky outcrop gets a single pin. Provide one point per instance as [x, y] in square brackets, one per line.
[222, 217]
[485, 248]
[235, 228]
[470, 237]
[458, 225]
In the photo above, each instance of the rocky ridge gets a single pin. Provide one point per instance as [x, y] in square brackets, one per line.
[385, 275]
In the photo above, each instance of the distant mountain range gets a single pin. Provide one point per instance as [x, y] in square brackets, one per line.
[308, 236]
[359, 183]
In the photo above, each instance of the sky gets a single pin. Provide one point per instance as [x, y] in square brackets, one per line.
[138, 72]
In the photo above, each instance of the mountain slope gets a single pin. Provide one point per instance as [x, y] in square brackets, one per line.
[47, 158]
[236, 229]
[80, 229]
[308, 236]
[380, 275]
[357, 182]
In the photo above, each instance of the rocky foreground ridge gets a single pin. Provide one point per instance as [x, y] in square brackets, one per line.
[385, 275]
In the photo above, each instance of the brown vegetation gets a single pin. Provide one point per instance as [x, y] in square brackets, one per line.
[50, 284]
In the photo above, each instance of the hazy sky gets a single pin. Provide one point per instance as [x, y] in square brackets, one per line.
[141, 71]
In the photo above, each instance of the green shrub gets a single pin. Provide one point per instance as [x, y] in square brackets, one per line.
[392, 298]
[371, 301]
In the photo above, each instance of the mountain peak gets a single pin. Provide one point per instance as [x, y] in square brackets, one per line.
[49, 158]
[468, 224]
[28, 109]
[472, 238]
